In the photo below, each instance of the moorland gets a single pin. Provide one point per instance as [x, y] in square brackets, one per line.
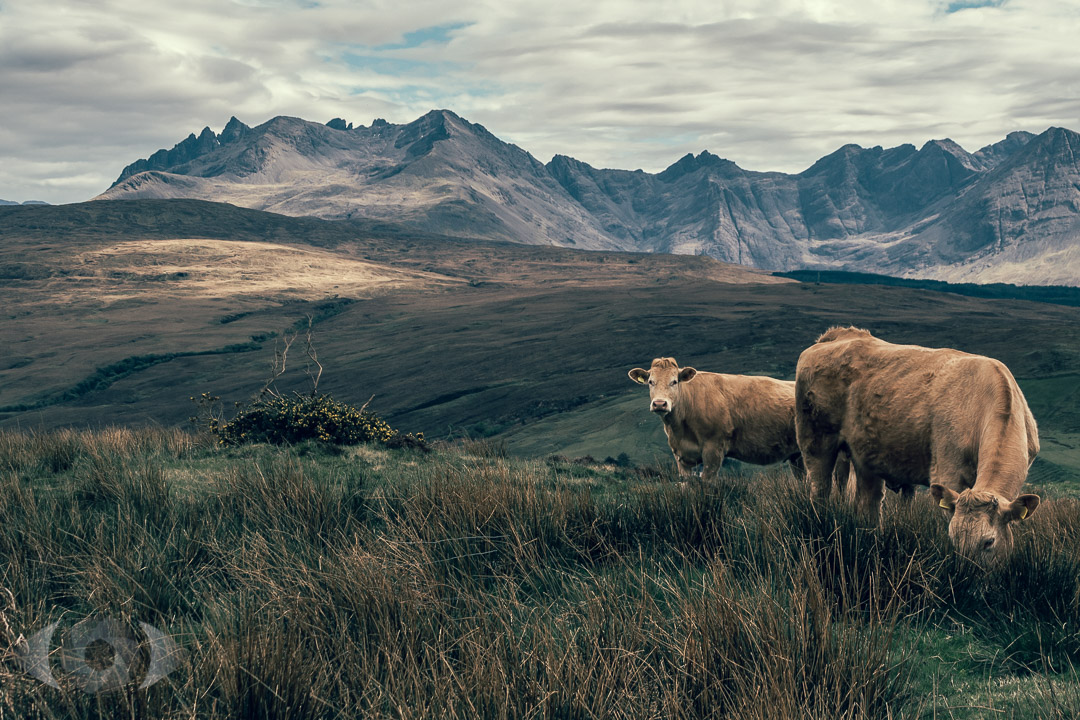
[515, 570]
[117, 312]
[318, 581]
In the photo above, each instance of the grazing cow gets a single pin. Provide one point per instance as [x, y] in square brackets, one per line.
[908, 415]
[709, 416]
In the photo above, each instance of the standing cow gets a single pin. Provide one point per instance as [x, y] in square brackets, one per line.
[909, 415]
[709, 416]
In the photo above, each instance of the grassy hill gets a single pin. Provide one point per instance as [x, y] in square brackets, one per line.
[329, 582]
[118, 312]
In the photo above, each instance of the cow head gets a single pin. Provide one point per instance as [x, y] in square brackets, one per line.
[664, 378]
[979, 521]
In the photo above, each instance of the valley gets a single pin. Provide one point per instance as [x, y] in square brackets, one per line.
[118, 312]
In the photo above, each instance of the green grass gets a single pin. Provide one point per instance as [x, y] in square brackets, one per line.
[105, 376]
[965, 676]
[329, 582]
[599, 429]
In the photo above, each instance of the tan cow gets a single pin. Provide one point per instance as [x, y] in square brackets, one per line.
[909, 415]
[709, 416]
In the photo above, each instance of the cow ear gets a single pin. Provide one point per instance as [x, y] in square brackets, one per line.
[1021, 508]
[639, 376]
[687, 374]
[945, 497]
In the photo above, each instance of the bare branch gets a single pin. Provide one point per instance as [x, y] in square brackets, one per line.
[278, 363]
[313, 357]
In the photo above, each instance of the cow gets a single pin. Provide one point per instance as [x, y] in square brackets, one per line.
[908, 415]
[709, 416]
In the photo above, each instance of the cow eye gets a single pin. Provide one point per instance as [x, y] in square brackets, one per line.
[675, 381]
[651, 381]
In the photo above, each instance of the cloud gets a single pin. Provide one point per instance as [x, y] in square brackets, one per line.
[771, 85]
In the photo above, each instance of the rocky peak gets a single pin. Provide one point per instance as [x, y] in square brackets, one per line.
[562, 163]
[688, 164]
[950, 149]
[1056, 145]
[839, 162]
[942, 163]
[1051, 157]
[206, 142]
[575, 176]
[284, 124]
[421, 134]
[233, 130]
[183, 152]
[990, 156]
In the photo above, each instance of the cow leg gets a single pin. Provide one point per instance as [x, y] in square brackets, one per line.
[712, 456]
[869, 491]
[819, 455]
[841, 473]
[798, 467]
[686, 469]
[907, 493]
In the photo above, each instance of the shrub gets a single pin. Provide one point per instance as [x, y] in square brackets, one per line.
[280, 419]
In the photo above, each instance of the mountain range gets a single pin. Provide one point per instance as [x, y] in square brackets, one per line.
[1009, 212]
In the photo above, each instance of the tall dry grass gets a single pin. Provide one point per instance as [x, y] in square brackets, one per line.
[462, 585]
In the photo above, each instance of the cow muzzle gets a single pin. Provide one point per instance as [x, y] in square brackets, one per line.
[660, 405]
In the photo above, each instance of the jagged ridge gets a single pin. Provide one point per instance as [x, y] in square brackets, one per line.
[1008, 212]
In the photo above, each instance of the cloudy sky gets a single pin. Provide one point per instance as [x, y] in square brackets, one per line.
[88, 86]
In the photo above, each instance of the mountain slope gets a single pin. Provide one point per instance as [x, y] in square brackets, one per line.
[440, 173]
[1023, 213]
[1008, 212]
